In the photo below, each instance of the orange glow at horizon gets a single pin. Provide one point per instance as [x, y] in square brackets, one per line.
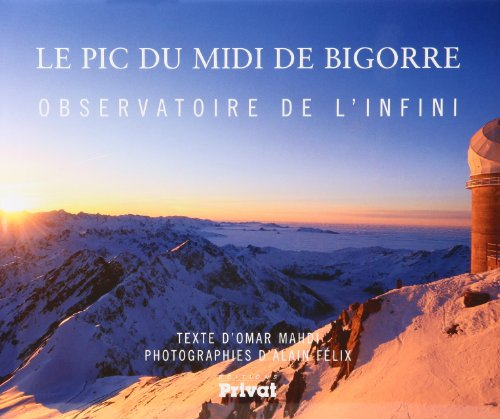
[279, 212]
[47, 182]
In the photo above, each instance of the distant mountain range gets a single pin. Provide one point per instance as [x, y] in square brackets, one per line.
[315, 230]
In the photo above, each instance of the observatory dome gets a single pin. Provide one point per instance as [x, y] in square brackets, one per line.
[484, 149]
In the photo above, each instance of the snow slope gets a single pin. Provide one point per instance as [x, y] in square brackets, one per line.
[103, 289]
[410, 365]
[89, 283]
[349, 274]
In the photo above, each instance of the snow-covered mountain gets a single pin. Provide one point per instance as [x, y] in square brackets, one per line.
[112, 286]
[85, 295]
[421, 353]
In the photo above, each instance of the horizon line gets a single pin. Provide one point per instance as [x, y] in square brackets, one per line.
[370, 218]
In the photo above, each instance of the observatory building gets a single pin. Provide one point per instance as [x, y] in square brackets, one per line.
[484, 183]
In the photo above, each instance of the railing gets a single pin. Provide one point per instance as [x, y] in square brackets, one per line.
[493, 255]
[486, 181]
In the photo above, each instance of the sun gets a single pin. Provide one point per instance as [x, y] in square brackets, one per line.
[14, 203]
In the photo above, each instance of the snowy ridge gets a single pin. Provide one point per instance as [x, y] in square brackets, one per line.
[113, 279]
[85, 295]
[409, 365]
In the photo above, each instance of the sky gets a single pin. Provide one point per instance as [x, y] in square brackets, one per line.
[321, 169]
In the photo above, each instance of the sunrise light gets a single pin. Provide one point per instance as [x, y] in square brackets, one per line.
[15, 203]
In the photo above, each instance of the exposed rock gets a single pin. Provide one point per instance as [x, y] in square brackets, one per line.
[345, 318]
[242, 408]
[473, 298]
[353, 306]
[372, 306]
[270, 408]
[295, 392]
[205, 411]
[375, 288]
[353, 344]
[453, 329]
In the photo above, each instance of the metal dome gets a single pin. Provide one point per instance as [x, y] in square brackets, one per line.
[484, 149]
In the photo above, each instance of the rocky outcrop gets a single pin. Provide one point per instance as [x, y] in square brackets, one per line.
[353, 344]
[205, 411]
[342, 341]
[473, 298]
[344, 337]
[295, 391]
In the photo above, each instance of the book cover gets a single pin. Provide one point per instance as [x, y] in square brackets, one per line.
[249, 209]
